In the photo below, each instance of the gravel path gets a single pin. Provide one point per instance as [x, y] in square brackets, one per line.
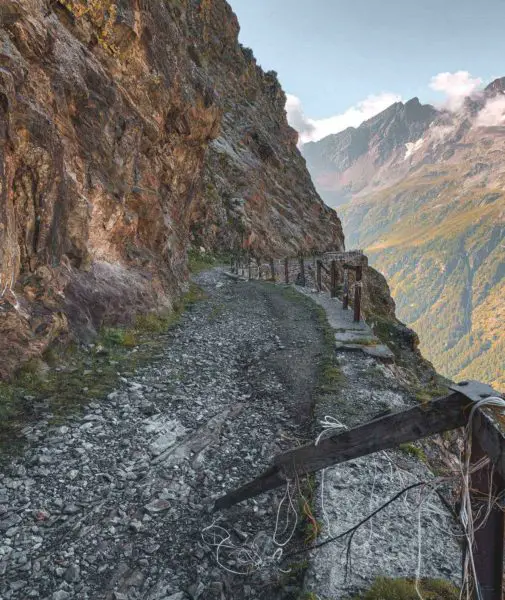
[112, 503]
[388, 545]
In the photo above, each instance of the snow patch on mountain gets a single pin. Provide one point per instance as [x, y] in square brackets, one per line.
[412, 147]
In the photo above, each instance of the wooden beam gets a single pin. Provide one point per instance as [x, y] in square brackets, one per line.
[357, 294]
[272, 269]
[271, 479]
[318, 276]
[489, 535]
[345, 297]
[333, 279]
[491, 438]
[286, 270]
[302, 272]
[386, 432]
[380, 434]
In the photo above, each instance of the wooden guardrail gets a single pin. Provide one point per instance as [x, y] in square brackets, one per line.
[444, 414]
[335, 265]
[461, 408]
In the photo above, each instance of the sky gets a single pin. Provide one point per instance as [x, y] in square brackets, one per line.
[342, 61]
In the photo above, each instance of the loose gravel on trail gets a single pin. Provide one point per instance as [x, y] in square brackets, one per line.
[415, 534]
[112, 503]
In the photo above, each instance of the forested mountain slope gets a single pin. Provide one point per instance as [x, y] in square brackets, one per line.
[425, 194]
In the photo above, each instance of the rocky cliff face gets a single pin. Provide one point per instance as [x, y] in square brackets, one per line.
[428, 205]
[128, 130]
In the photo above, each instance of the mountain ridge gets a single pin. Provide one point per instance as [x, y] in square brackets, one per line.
[429, 208]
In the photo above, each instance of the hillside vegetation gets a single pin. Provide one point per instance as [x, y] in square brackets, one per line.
[442, 250]
[424, 194]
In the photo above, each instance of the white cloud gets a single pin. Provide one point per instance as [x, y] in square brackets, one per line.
[493, 113]
[456, 87]
[312, 130]
[297, 118]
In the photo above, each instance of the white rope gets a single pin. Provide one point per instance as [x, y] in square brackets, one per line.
[329, 424]
[248, 557]
[291, 507]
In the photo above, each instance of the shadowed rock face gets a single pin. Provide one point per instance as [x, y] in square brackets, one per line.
[129, 129]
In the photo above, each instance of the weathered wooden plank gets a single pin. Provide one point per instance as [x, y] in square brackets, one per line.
[333, 279]
[489, 535]
[319, 275]
[490, 435]
[271, 479]
[384, 432]
[357, 294]
[302, 272]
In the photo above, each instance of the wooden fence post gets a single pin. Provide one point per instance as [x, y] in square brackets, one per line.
[357, 294]
[489, 538]
[302, 272]
[286, 270]
[333, 279]
[318, 276]
[345, 298]
[272, 269]
[249, 270]
[258, 266]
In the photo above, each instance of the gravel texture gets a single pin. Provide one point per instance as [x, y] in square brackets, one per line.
[388, 544]
[112, 503]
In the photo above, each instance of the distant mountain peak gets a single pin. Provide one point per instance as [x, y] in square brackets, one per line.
[495, 87]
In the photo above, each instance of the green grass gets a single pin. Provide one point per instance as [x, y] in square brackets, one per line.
[415, 451]
[201, 261]
[84, 373]
[404, 589]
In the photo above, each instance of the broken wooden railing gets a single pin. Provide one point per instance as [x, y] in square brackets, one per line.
[300, 270]
[443, 414]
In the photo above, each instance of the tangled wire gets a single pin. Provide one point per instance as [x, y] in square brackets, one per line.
[250, 557]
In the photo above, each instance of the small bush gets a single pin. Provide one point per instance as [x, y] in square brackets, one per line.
[415, 451]
[404, 589]
[112, 336]
[199, 261]
[156, 323]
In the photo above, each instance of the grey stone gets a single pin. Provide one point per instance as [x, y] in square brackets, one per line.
[72, 574]
[70, 509]
[11, 521]
[158, 505]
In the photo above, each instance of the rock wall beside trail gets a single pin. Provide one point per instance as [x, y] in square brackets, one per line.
[129, 130]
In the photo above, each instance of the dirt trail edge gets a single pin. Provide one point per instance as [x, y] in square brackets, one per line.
[112, 503]
[415, 534]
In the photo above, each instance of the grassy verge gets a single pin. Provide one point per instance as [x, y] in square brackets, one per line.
[414, 451]
[200, 261]
[68, 377]
[330, 381]
[404, 589]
